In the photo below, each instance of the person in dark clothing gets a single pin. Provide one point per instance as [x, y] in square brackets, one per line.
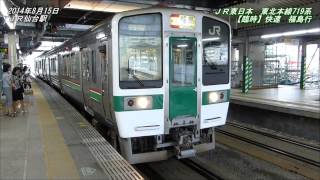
[26, 78]
[17, 89]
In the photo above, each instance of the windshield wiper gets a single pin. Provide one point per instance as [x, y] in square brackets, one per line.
[211, 65]
[138, 80]
[135, 77]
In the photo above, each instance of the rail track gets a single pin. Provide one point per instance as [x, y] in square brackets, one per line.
[298, 143]
[174, 169]
[302, 146]
[201, 170]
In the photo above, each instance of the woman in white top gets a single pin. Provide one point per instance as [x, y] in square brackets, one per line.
[7, 88]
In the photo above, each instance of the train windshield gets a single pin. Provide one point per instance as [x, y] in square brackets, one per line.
[140, 51]
[215, 39]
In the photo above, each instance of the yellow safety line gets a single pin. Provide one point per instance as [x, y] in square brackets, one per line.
[60, 164]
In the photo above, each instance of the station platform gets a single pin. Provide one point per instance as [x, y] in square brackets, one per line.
[53, 141]
[286, 99]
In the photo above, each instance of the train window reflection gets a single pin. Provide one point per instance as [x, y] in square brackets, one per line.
[215, 39]
[94, 66]
[140, 51]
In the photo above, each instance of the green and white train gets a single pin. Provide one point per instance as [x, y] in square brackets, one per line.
[158, 78]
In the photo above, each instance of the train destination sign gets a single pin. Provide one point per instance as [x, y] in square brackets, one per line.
[182, 21]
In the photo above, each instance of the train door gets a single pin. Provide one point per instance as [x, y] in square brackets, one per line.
[103, 52]
[85, 78]
[47, 60]
[60, 66]
[183, 76]
[50, 69]
[43, 68]
[95, 90]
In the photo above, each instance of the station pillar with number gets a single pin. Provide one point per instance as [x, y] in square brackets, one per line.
[303, 70]
[246, 74]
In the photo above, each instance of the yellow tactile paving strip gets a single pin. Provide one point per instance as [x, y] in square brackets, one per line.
[59, 162]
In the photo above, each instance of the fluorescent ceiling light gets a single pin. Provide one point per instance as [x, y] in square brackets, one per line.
[47, 45]
[76, 48]
[3, 8]
[43, 48]
[77, 26]
[5, 14]
[211, 39]
[100, 35]
[182, 45]
[291, 33]
[106, 6]
[50, 43]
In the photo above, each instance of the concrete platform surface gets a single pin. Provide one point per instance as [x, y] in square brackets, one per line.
[286, 99]
[50, 142]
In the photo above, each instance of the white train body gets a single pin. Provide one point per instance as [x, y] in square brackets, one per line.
[160, 78]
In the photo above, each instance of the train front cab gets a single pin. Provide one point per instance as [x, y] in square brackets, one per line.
[172, 85]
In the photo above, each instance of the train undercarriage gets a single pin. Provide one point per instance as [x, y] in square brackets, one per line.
[181, 142]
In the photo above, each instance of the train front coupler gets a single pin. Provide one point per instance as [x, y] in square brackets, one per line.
[185, 143]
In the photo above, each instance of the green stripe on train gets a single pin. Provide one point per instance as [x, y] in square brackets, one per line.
[71, 85]
[95, 96]
[118, 102]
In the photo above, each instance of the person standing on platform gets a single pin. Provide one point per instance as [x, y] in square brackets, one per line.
[26, 78]
[7, 88]
[26, 81]
[17, 90]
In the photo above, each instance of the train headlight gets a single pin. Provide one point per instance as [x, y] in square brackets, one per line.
[213, 97]
[143, 102]
[217, 96]
[139, 102]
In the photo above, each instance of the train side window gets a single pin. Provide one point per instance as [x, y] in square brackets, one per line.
[65, 65]
[77, 66]
[103, 58]
[69, 65]
[53, 65]
[94, 66]
[72, 66]
[86, 72]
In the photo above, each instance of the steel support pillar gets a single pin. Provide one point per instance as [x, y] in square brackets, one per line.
[303, 70]
[12, 49]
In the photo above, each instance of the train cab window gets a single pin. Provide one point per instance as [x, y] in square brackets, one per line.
[215, 40]
[140, 51]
